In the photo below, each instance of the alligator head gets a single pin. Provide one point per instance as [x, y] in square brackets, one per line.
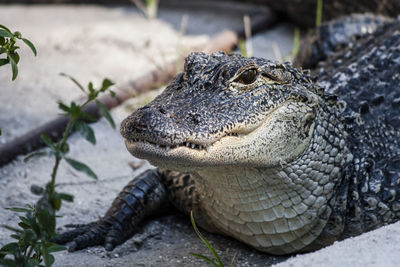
[224, 110]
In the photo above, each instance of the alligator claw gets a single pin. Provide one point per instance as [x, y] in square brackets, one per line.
[83, 236]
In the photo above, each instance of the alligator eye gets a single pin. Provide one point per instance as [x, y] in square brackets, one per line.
[247, 77]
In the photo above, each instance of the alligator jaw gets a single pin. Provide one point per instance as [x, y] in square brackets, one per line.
[186, 154]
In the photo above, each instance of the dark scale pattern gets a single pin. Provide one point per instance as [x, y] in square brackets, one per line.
[334, 36]
[366, 84]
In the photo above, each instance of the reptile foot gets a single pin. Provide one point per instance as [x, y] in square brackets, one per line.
[142, 197]
[103, 232]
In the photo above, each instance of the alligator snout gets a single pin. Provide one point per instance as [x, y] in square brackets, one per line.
[152, 124]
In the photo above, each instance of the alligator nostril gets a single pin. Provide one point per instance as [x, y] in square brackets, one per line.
[162, 110]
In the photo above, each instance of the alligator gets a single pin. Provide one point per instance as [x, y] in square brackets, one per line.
[265, 153]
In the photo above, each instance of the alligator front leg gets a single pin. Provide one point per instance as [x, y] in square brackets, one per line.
[142, 197]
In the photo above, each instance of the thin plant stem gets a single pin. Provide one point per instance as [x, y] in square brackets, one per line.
[66, 134]
[318, 17]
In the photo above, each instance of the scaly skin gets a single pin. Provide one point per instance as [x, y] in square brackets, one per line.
[261, 153]
[334, 36]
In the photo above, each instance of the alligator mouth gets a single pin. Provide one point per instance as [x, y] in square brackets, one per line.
[190, 145]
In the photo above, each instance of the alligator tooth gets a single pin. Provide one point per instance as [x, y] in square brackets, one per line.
[200, 147]
[208, 148]
[193, 145]
[167, 148]
[157, 145]
[187, 144]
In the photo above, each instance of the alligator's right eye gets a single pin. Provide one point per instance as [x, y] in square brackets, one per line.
[247, 77]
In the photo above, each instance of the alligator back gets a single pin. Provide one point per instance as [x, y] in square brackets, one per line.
[365, 79]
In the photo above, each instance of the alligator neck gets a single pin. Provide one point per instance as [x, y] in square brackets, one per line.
[281, 209]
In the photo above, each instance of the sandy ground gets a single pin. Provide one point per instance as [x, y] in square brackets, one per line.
[91, 43]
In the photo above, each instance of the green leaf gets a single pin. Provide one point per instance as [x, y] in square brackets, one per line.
[47, 140]
[14, 55]
[28, 236]
[46, 217]
[14, 67]
[5, 33]
[106, 84]
[52, 247]
[56, 201]
[10, 247]
[48, 258]
[14, 229]
[207, 259]
[105, 113]
[34, 155]
[88, 117]
[205, 241]
[86, 131]
[90, 87]
[16, 236]
[112, 93]
[74, 80]
[5, 28]
[3, 61]
[79, 166]
[25, 220]
[16, 209]
[24, 225]
[66, 197]
[31, 220]
[31, 46]
[63, 107]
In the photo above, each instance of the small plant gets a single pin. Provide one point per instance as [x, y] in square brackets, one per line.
[37, 226]
[8, 47]
[245, 44]
[217, 262]
[318, 17]
[296, 43]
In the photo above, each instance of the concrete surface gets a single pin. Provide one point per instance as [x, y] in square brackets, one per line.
[90, 43]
